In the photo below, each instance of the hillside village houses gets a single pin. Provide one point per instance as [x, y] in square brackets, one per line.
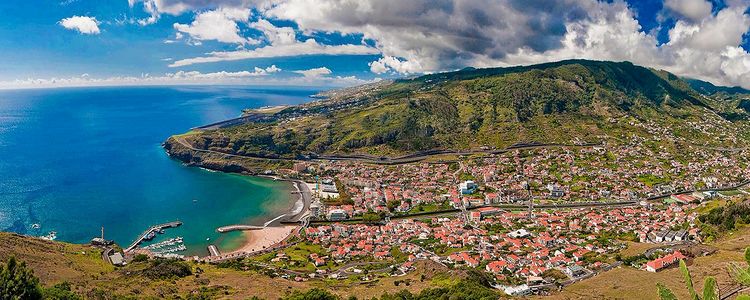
[502, 242]
[551, 174]
[511, 245]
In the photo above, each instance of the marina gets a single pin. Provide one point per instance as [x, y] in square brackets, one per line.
[150, 233]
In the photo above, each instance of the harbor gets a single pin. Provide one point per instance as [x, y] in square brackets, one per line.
[150, 233]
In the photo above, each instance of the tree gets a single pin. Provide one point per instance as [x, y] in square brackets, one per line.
[392, 204]
[18, 282]
[371, 218]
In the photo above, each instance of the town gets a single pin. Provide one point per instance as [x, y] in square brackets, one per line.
[510, 214]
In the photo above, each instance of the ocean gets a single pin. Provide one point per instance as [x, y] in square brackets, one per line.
[74, 160]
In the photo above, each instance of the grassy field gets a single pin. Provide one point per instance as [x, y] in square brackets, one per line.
[82, 266]
[89, 275]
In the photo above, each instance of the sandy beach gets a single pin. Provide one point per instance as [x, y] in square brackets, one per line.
[264, 238]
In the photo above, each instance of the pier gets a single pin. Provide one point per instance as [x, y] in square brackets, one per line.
[153, 229]
[213, 250]
[229, 228]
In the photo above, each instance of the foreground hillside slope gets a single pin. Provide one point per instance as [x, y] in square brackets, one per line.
[89, 277]
[566, 102]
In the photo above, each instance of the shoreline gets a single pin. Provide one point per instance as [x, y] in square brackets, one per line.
[263, 239]
[273, 231]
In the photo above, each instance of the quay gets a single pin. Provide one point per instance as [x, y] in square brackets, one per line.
[213, 250]
[153, 229]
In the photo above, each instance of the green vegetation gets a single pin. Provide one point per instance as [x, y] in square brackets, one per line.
[724, 219]
[476, 287]
[551, 103]
[18, 282]
[665, 293]
[167, 269]
[61, 291]
[709, 287]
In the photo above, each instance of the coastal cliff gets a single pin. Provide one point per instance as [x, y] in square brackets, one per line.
[218, 161]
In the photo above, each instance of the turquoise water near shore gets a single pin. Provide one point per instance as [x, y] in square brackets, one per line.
[73, 160]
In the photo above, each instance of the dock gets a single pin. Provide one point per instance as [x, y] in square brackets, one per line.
[213, 250]
[153, 229]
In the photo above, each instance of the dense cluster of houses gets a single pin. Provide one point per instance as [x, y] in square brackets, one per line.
[513, 246]
[599, 173]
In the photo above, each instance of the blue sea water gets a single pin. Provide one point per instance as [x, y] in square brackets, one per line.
[73, 160]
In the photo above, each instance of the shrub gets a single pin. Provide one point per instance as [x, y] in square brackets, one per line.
[167, 268]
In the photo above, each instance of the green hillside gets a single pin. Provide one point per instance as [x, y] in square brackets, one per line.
[567, 102]
[708, 88]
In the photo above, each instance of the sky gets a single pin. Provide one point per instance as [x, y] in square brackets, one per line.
[57, 43]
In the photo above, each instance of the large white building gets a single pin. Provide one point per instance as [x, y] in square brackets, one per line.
[337, 215]
[467, 187]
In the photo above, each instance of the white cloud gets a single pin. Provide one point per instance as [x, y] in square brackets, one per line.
[387, 63]
[316, 72]
[255, 77]
[155, 8]
[420, 36]
[82, 24]
[694, 10]
[437, 35]
[275, 35]
[308, 47]
[220, 25]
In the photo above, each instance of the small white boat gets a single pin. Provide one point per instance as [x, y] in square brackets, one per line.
[36, 226]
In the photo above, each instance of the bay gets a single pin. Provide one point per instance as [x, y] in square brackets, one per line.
[76, 159]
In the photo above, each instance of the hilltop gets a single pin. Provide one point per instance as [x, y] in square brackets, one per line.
[566, 102]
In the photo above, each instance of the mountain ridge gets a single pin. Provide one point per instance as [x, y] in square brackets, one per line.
[560, 102]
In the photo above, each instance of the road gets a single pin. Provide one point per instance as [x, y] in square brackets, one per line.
[408, 158]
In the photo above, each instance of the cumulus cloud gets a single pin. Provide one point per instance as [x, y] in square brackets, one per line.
[82, 24]
[693, 10]
[315, 72]
[280, 42]
[428, 36]
[422, 36]
[308, 47]
[220, 25]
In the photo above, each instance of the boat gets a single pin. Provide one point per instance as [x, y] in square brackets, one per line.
[36, 226]
[149, 236]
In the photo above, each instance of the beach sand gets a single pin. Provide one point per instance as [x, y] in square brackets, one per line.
[265, 238]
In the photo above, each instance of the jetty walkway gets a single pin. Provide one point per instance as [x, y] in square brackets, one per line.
[153, 229]
[229, 228]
